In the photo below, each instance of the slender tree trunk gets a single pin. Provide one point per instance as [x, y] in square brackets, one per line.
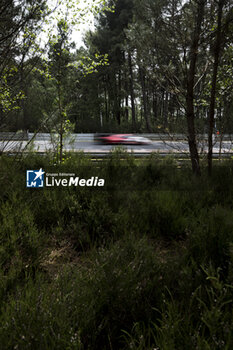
[126, 97]
[144, 97]
[25, 122]
[131, 87]
[24, 88]
[60, 111]
[165, 124]
[190, 89]
[106, 103]
[217, 49]
[127, 108]
[119, 99]
[61, 122]
[154, 106]
[162, 105]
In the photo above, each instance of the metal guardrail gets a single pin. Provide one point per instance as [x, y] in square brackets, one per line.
[179, 137]
[24, 136]
[135, 155]
[49, 137]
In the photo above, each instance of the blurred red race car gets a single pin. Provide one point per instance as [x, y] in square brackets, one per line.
[121, 139]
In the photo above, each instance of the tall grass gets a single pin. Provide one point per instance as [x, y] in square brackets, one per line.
[144, 263]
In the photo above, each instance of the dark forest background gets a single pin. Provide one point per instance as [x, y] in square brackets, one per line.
[168, 62]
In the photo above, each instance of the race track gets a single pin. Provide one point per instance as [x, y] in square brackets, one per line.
[42, 143]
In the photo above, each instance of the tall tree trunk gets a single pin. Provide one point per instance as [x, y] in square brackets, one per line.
[60, 109]
[161, 104]
[115, 95]
[127, 108]
[24, 88]
[117, 98]
[217, 49]
[165, 120]
[131, 88]
[106, 104]
[154, 106]
[61, 122]
[190, 89]
[144, 97]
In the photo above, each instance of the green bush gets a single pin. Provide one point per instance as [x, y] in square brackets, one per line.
[149, 264]
[87, 306]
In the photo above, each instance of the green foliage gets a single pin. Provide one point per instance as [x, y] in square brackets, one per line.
[176, 329]
[82, 308]
[88, 66]
[144, 263]
[23, 53]
[8, 101]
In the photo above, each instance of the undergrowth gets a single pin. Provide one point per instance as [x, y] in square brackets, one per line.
[146, 262]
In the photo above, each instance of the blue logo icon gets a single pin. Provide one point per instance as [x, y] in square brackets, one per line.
[35, 178]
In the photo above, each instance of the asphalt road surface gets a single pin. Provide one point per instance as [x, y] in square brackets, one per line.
[89, 146]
